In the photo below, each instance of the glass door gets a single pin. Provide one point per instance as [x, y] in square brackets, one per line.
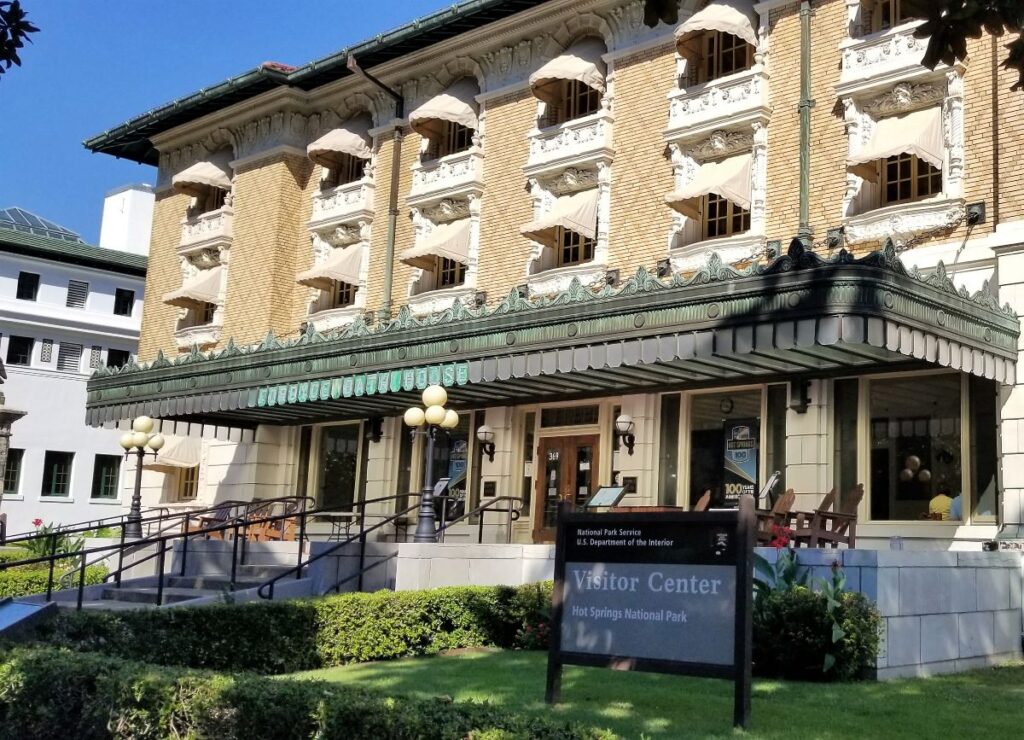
[568, 473]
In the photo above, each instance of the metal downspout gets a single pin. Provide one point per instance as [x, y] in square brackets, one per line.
[804, 231]
[384, 313]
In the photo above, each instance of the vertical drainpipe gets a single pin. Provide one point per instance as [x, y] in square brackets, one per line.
[396, 162]
[804, 232]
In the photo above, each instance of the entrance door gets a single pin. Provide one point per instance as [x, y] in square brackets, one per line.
[569, 473]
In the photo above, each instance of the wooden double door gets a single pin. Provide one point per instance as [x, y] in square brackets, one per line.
[568, 473]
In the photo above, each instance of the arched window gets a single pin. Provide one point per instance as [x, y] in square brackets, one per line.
[572, 84]
[448, 121]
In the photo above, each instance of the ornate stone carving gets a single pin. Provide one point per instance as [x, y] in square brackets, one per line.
[902, 221]
[886, 54]
[448, 209]
[721, 144]
[903, 97]
[737, 98]
[571, 180]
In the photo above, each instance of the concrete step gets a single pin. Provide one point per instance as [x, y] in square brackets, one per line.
[215, 583]
[148, 594]
[106, 605]
[261, 572]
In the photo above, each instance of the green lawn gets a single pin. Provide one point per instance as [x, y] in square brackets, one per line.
[983, 704]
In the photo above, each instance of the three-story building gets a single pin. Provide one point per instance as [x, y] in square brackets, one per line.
[679, 259]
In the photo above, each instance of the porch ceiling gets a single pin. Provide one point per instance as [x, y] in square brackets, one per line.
[799, 316]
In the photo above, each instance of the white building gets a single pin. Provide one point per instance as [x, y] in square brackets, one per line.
[67, 307]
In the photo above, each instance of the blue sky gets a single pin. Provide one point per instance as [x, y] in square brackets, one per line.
[96, 64]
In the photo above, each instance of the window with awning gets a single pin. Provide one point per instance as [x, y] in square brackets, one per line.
[728, 178]
[208, 181]
[178, 453]
[918, 133]
[576, 213]
[344, 151]
[198, 291]
[449, 119]
[341, 266]
[572, 83]
[718, 40]
[442, 255]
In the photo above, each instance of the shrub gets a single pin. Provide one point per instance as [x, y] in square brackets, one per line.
[47, 693]
[793, 631]
[27, 580]
[281, 637]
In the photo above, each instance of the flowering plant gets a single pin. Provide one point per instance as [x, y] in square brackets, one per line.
[780, 536]
[49, 539]
[37, 523]
[534, 636]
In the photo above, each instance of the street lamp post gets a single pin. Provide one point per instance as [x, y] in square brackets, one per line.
[140, 442]
[434, 416]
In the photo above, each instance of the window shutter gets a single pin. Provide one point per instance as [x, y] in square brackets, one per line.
[69, 357]
[78, 291]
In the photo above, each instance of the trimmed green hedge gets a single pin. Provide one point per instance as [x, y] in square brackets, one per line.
[282, 637]
[25, 580]
[47, 693]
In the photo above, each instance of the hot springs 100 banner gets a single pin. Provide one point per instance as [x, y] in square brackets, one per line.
[741, 447]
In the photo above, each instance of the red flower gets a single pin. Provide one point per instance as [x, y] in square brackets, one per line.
[37, 522]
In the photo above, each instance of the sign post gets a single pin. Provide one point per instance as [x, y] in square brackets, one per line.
[668, 592]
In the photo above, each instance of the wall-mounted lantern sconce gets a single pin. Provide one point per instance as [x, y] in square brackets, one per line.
[624, 427]
[486, 437]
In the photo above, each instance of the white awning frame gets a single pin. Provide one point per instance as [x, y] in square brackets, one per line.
[730, 178]
[343, 265]
[351, 138]
[918, 132]
[212, 172]
[198, 290]
[457, 104]
[736, 17]
[577, 213]
[450, 241]
[582, 61]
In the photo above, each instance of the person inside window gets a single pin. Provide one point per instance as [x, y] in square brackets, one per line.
[956, 508]
[940, 505]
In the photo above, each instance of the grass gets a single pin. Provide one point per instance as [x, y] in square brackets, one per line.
[979, 704]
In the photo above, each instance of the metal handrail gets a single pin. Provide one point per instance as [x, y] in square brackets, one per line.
[85, 526]
[514, 512]
[161, 541]
[266, 589]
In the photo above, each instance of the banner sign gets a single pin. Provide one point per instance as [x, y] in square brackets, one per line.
[741, 448]
[669, 592]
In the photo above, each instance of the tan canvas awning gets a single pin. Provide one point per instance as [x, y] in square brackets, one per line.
[342, 265]
[203, 288]
[582, 61]
[214, 172]
[729, 178]
[457, 104]
[576, 212]
[447, 240]
[179, 452]
[918, 133]
[737, 17]
[352, 138]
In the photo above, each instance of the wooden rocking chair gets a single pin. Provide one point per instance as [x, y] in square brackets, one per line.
[777, 516]
[829, 529]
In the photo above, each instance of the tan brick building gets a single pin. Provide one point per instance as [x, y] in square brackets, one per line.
[568, 219]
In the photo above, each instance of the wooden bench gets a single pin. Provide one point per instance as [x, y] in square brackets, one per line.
[825, 528]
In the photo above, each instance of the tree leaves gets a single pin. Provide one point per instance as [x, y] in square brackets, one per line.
[14, 31]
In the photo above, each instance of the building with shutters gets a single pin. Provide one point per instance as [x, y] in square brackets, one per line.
[768, 236]
[66, 309]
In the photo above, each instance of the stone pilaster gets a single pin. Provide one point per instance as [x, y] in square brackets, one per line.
[1010, 276]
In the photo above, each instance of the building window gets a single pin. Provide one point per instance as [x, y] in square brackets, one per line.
[19, 350]
[886, 14]
[188, 483]
[983, 397]
[577, 100]
[347, 170]
[343, 294]
[337, 471]
[69, 357]
[117, 358]
[452, 138]
[124, 302]
[846, 393]
[915, 448]
[28, 286]
[449, 272]
[57, 473]
[105, 475]
[568, 416]
[573, 248]
[212, 199]
[668, 450]
[722, 217]
[12, 471]
[78, 293]
[725, 54]
[906, 178]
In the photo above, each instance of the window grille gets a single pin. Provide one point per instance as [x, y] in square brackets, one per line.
[78, 292]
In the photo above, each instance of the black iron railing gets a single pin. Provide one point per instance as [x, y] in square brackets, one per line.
[511, 510]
